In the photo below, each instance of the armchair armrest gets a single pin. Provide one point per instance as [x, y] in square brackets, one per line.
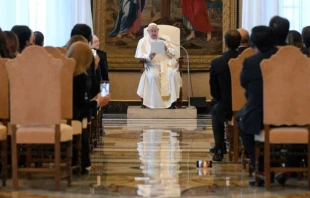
[142, 60]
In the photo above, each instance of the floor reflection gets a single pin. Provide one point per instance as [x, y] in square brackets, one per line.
[155, 158]
[160, 154]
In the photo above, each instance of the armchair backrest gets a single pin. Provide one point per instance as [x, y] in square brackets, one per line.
[172, 32]
[35, 84]
[286, 86]
[237, 91]
[66, 81]
[4, 90]
[62, 50]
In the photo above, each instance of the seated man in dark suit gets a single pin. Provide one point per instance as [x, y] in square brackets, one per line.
[103, 63]
[306, 39]
[250, 117]
[220, 86]
[245, 40]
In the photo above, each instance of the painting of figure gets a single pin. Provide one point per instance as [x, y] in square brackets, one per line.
[128, 21]
[200, 22]
[196, 17]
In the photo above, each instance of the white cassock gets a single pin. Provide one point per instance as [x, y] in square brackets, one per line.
[161, 81]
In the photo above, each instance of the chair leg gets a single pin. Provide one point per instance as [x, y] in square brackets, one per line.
[95, 130]
[236, 141]
[4, 159]
[14, 162]
[257, 155]
[230, 135]
[267, 165]
[69, 165]
[142, 106]
[78, 145]
[57, 165]
[100, 123]
[179, 100]
[243, 158]
[89, 129]
[28, 159]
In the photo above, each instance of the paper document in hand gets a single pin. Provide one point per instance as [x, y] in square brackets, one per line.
[158, 47]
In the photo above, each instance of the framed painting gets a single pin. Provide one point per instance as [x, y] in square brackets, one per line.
[119, 25]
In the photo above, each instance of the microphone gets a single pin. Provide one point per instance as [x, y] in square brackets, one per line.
[188, 74]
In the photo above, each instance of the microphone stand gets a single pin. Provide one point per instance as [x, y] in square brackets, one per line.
[188, 74]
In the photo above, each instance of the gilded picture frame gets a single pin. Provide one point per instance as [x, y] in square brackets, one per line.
[121, 61]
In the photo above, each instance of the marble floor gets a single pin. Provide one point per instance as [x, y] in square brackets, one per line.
[155, 158]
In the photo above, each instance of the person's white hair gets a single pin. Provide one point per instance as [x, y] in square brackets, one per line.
[151, 24]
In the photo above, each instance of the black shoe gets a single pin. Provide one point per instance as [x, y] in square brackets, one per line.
[84, 172]
[281, 178]
[251, 170]
[218, 156]
[172, 107]
[224, 151]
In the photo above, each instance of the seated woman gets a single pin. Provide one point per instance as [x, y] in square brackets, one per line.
[4, 52]
[294, 38]
[82, 103]
[11, 43]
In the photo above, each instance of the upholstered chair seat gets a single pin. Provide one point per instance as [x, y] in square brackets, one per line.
[285, 135]
[75, 124]
[33, 134]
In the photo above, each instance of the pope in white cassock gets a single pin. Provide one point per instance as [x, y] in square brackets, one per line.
[161, 81]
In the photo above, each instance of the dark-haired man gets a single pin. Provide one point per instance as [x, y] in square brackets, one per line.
[305, 34]
[25, 36]
[250, 117]
[38, 38]
[280, 26]
[220, 86]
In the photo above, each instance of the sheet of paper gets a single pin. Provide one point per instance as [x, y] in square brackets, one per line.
[158, 47]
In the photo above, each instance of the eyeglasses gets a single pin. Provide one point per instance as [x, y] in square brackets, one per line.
[152, 31]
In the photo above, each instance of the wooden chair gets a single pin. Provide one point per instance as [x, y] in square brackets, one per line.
[286, 98]
[35, 106]
[238, 101]
[174, 34]
[4, 116]
[66, 100]
[62, 50]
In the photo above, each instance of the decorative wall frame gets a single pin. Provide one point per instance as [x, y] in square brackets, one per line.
[123, 60]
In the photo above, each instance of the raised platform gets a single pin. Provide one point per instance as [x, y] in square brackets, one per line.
[136, 112]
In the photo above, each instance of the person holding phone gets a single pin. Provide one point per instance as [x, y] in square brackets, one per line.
[82, 103]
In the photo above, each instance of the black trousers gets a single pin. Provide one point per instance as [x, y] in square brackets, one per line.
[85, 151]
[218, 128]
[248, 141]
